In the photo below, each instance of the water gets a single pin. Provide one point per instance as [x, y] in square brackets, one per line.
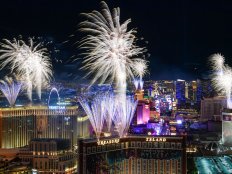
[214, 165]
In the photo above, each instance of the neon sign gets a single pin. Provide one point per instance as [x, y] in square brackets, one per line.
[151, 139]
[56, 107]
[111, 141]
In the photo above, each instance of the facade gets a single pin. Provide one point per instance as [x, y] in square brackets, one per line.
[211, 108]
[192, 91]
[21, 124]
[227, 127]
[9, 162]
[204, 89]
[139, 94]
[133, 155]
[180, 92]
[143, 111]
[50, 156]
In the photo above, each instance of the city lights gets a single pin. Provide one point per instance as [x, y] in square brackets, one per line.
[120, 95]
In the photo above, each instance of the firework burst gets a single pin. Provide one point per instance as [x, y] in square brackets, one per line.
[111, 51]
[10, 88]
[140, 68]
[30, 62]
[222, 79]
[111, 55]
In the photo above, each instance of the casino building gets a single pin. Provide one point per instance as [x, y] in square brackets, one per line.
[50, 155]
[133, 155]
[21, 124]
[227, 127]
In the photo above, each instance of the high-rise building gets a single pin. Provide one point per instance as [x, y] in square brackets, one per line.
[180, 92]
[204, 89]
[192, 91]
[133, 155]
[143, 111]
[139, 94]
[49, 155]
[21, 124]
[211, 108]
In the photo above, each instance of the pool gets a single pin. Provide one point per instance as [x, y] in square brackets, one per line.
[214, 165]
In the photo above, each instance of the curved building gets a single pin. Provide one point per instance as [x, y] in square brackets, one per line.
[21, 124]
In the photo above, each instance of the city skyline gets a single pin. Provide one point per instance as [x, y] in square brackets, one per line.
[115, 87]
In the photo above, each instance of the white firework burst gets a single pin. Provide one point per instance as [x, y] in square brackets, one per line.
[222, 79]
[30, 62]
[140, 68]
[111, 55]
[110, 47]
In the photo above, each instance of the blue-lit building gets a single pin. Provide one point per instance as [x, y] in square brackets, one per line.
[180, 92]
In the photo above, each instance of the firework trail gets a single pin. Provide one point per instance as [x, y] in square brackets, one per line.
[222, 79]
[30, 62]
[95, 108]
[104, 108]
[111, 109]
[136, 83]
[10, 88]
[122, 120]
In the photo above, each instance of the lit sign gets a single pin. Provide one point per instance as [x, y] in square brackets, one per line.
[63, 103]
[150, 139]
[111, 141]
[227, 117]
[56, 107]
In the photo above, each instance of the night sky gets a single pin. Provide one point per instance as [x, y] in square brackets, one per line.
[180, 34]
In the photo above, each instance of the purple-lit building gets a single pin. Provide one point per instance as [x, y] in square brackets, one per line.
[143, 112]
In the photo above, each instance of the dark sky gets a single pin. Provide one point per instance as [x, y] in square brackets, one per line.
[181, 34]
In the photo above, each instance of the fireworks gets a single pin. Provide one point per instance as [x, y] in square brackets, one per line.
[217, 61]
[111, 55]
[111, 52]
[30, 62]
[141, 82]
[104, 108]
[140, 67]
[111, 110]
[222, 80]
[95, 109]
[136, 83]
[122, 120]
[141, 70]
[10, 89]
